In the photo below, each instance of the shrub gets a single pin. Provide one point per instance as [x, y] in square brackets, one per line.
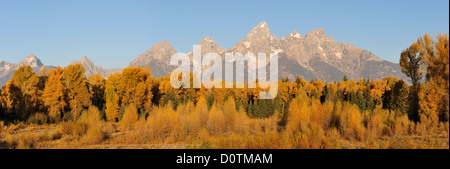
[2, 125]
[130, 116]
[90, 117]
[230, 113]
[163, 123]
[403, 126]
[203, 111]
[216, 122]
[38, 118]
[351, 123]
[190, 121]
[108, 129]
[27, 141]
[93, 136]
[242, 122]
[22, 141]
[11, 141]
[73, 129]
[376, 123]
[66, 117]
[293, 119]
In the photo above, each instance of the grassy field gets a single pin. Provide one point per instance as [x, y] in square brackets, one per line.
[107, 135]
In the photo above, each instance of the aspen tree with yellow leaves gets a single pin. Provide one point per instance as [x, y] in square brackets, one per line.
[77, 91]
[20, 94]
[97, 89]
[112, 97]
[54, 93]
[435, 53]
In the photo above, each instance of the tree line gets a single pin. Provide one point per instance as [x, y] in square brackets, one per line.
[61, 94]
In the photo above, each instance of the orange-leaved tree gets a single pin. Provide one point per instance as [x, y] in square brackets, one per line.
[53, 95]
[134, 86]
[76, 86]
[21, 92]
[97, 89]
[435, 54]
[112, 97]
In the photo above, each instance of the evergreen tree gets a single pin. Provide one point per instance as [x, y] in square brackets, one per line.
[210, 100]
[370, 104]
[400, 94]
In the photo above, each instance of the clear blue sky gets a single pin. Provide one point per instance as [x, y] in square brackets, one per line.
[112, 32]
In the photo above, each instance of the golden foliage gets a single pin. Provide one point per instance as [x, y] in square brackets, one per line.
[216, 122]
[20, 94]
[53, 95]
[97, 89]
[77, 91]
[312, 114]
[112, 98]
[130, 116]
[134, 88]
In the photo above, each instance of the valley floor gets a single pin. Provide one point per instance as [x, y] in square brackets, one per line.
[114, 136]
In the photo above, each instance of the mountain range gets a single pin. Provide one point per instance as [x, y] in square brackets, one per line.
[7, 69]
[312, 56]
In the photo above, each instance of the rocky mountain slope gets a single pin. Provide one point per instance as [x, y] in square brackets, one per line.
[91, 68]
[313, 56]
[7, 69]
[158, 58]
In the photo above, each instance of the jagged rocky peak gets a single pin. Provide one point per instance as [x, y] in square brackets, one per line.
[312, 55]
[90, 67]
[2, 63]
[316, 34]
[84, 61]
[164, 43]
[208, 40]
[291, 39]
[209, 45]
[31, 60]
[258, 40]
[7, 69]
[259, 31]
[161, 47]
[331, 38]
[157, 54]
[161, 50]
[295, 35]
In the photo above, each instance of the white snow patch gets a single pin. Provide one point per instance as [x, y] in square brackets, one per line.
[6, 67]
[276, 50]
[297, 35]
[262, 26]
[209, 40]
[247, 44]
[320, 48]
[338, 54]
